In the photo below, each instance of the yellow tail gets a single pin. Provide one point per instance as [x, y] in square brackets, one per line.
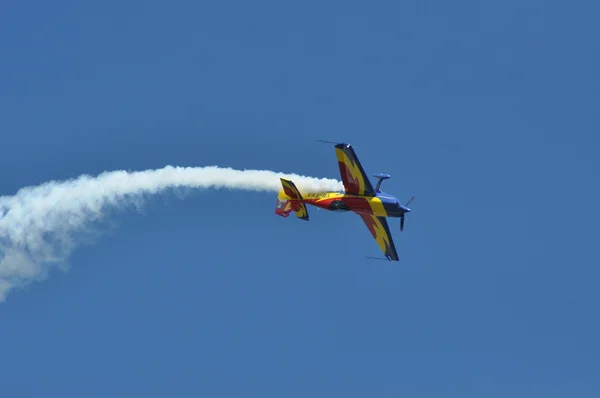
[289, 200]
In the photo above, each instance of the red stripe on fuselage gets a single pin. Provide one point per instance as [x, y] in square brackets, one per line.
[356, 204]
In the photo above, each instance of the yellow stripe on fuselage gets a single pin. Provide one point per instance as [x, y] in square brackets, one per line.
[377, 206]
[319, 196]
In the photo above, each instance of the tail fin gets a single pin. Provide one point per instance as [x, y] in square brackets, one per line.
[289, 200]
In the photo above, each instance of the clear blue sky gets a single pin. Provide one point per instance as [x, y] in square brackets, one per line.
[488, 113]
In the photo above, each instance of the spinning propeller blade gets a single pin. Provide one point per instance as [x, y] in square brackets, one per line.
[402, 216]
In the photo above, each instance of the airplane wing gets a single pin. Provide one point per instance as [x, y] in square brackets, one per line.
[354, 178]
[379, 229]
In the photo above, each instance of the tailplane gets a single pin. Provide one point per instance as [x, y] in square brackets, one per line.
[289, 200]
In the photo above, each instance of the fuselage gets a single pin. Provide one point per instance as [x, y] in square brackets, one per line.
[382, 205]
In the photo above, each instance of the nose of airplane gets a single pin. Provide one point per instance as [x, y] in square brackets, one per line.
[405, 209]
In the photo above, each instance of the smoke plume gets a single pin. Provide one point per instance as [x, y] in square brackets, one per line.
[38, 224]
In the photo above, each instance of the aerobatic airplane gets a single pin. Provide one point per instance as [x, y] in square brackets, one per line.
[359, 197]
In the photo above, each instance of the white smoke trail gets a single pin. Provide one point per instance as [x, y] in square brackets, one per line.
[37, 224]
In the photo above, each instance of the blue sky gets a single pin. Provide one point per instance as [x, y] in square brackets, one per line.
[486, 112]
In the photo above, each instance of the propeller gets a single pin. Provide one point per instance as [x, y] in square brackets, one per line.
[402, 216]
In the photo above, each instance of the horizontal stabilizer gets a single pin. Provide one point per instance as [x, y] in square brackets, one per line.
[290, 199]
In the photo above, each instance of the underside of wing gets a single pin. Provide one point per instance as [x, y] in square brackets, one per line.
[379, 229]
[353, 176]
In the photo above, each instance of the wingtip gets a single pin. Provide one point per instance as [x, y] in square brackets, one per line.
[336, 143]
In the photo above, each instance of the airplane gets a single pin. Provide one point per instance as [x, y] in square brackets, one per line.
[359, 196]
